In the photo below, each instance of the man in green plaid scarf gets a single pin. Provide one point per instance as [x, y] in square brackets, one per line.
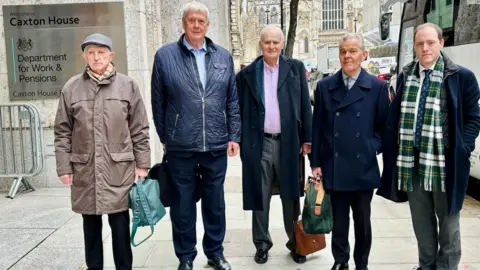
[431, 129]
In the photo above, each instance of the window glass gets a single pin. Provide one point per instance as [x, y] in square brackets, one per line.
[406, 45]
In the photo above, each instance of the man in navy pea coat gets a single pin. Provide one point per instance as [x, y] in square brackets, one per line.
[348, 119]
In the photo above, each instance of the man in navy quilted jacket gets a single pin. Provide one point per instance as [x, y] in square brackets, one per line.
[196, 113]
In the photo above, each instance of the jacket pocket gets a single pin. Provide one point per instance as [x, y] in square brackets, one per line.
[122, 170]
[219, 71]
[82, 173]
[175, 126]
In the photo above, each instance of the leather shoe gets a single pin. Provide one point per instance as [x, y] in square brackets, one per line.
[340, 266]
[219, 264]
[361, 268]
[297, 257]
[185, 265]
[261, 256]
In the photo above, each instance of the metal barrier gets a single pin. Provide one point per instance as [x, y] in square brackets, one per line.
[22, 146]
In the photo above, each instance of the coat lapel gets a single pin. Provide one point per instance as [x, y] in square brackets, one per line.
[357, 91]
[338, 88]
[251, 79]
[283, 72]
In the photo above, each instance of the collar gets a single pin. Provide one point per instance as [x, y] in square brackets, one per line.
[422, 68]
[190, 48]
[345, 76]
[271, 68]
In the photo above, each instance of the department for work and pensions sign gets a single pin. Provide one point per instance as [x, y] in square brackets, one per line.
[43, 44]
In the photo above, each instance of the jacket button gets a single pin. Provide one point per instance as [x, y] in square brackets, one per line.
[253, 145]
[358, 156]
[336, 134]
[253, 126]
[358, 135]
[336, 154]
[338, 113]
[263, 113]
[358, 114]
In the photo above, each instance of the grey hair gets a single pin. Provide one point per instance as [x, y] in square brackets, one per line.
[429, 25]
[271, 27]
[194, 6]
[354, 35]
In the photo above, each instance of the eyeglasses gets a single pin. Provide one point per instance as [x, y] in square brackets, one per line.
[199, 21]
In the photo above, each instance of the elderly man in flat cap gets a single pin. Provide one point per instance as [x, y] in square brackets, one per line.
[102, 148]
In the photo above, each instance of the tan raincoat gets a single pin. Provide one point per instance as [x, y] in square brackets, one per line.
[101, 135]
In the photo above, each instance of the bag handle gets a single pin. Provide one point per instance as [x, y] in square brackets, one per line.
[140, 201]
[320, 196]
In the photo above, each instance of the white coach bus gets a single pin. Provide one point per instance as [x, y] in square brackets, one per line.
[460, 21]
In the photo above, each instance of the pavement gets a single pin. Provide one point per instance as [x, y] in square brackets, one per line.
[38, 230]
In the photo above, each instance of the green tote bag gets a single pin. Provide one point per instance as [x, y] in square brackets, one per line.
[147, 209]
[317, 210]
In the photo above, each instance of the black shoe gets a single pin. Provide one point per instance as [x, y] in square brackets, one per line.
[219, 264]
[340, 266]
[261, 256]
[297, 257]
[186, 265]
[361, 268]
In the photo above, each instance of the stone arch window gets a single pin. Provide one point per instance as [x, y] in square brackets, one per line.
[275, 16]
[305, 45]
[262, 16]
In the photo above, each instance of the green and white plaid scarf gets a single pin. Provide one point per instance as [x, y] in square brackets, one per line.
[432, 157]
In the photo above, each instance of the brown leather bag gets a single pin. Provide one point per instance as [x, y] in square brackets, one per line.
[305, 244]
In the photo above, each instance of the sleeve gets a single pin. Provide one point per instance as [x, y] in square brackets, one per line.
[317, 122]
[471, 114]
[159, 98]
[233, 108]
[383, 103]
[62, 130]
[139, 129]
[306, 108]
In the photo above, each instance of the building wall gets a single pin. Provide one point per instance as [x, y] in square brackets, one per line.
[254, 19]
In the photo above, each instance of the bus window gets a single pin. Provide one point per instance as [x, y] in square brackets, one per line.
[406, 45]
[462, 28]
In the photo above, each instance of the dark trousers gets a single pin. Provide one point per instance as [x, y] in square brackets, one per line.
[359, 201]
[183, 211]
[92, 232]
[260, 219]
[439, 243]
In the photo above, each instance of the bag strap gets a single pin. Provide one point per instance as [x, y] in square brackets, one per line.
[320, 196]
[141, 201]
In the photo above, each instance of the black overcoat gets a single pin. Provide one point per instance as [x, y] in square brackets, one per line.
[296, 129]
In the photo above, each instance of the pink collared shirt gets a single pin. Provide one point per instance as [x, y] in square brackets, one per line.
[272, 110]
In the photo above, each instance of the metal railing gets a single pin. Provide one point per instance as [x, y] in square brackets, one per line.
[22, 146]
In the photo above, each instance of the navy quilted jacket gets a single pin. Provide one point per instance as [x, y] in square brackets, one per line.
[188, 117]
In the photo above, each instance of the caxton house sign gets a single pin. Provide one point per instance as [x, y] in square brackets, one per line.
[43, 44]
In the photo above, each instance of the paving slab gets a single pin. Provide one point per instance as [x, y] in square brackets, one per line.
[35, 215]
[15, 243]
[45, 258]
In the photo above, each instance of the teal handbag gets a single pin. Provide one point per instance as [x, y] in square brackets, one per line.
[147, 209]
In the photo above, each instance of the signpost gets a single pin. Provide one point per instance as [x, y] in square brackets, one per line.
[43, 44]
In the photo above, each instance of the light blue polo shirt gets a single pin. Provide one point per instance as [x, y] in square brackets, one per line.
[200, 59]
